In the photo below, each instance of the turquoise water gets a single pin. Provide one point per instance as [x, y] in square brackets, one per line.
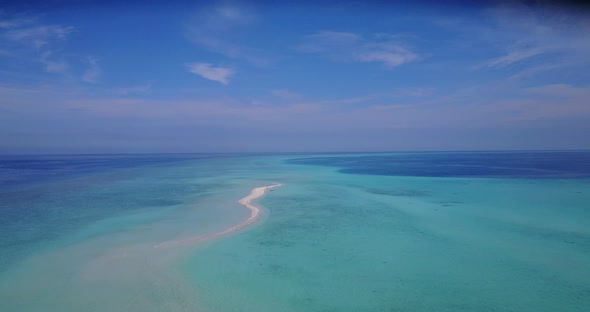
[329, 240]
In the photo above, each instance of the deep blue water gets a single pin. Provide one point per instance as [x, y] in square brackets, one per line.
[542, 164]
[26, 169]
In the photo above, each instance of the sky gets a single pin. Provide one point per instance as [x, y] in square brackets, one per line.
[229, 76]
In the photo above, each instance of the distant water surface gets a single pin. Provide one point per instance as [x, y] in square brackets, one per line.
[453, 231]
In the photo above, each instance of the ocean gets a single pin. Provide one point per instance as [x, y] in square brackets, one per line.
[436, 231]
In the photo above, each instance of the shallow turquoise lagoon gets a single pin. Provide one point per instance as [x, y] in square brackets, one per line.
[328, 240]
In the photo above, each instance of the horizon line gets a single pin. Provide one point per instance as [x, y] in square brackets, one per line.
[294, 152]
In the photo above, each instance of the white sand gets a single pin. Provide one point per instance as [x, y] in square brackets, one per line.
[247, 201]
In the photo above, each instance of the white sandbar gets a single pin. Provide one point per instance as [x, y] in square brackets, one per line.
[247, 201]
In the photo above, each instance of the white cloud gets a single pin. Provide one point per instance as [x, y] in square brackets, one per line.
[208, 71]
[93, 73]
[347, 46]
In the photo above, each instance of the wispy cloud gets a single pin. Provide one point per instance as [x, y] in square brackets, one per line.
[14, 22]
[346, 46]
[326, 41]
[413, 92]
[137, 89]
[512, 57]
[220, 29]
[536, 69]
[560, 90]
[39, 36]
[534, 35]
[27, 40]
[285, 94]
[53, 65]
[93, 72]
[208, 71]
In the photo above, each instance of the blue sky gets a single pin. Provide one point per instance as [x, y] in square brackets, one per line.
[238, 77]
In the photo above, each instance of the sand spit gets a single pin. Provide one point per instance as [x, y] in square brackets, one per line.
[247, 201]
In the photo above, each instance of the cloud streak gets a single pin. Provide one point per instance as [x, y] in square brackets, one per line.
[137, 89]
[39, 36]
[210, 72]
[561, 90]
[353, 47]
[531, 36]
[52, 65]
[27, 40]
[220, 29]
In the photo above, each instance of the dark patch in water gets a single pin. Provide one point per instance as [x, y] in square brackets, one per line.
[540, 165]
[19, 169]
[398, 192]
[449, 203]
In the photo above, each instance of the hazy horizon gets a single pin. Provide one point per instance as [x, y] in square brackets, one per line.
[254, 77]
[261, 153]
